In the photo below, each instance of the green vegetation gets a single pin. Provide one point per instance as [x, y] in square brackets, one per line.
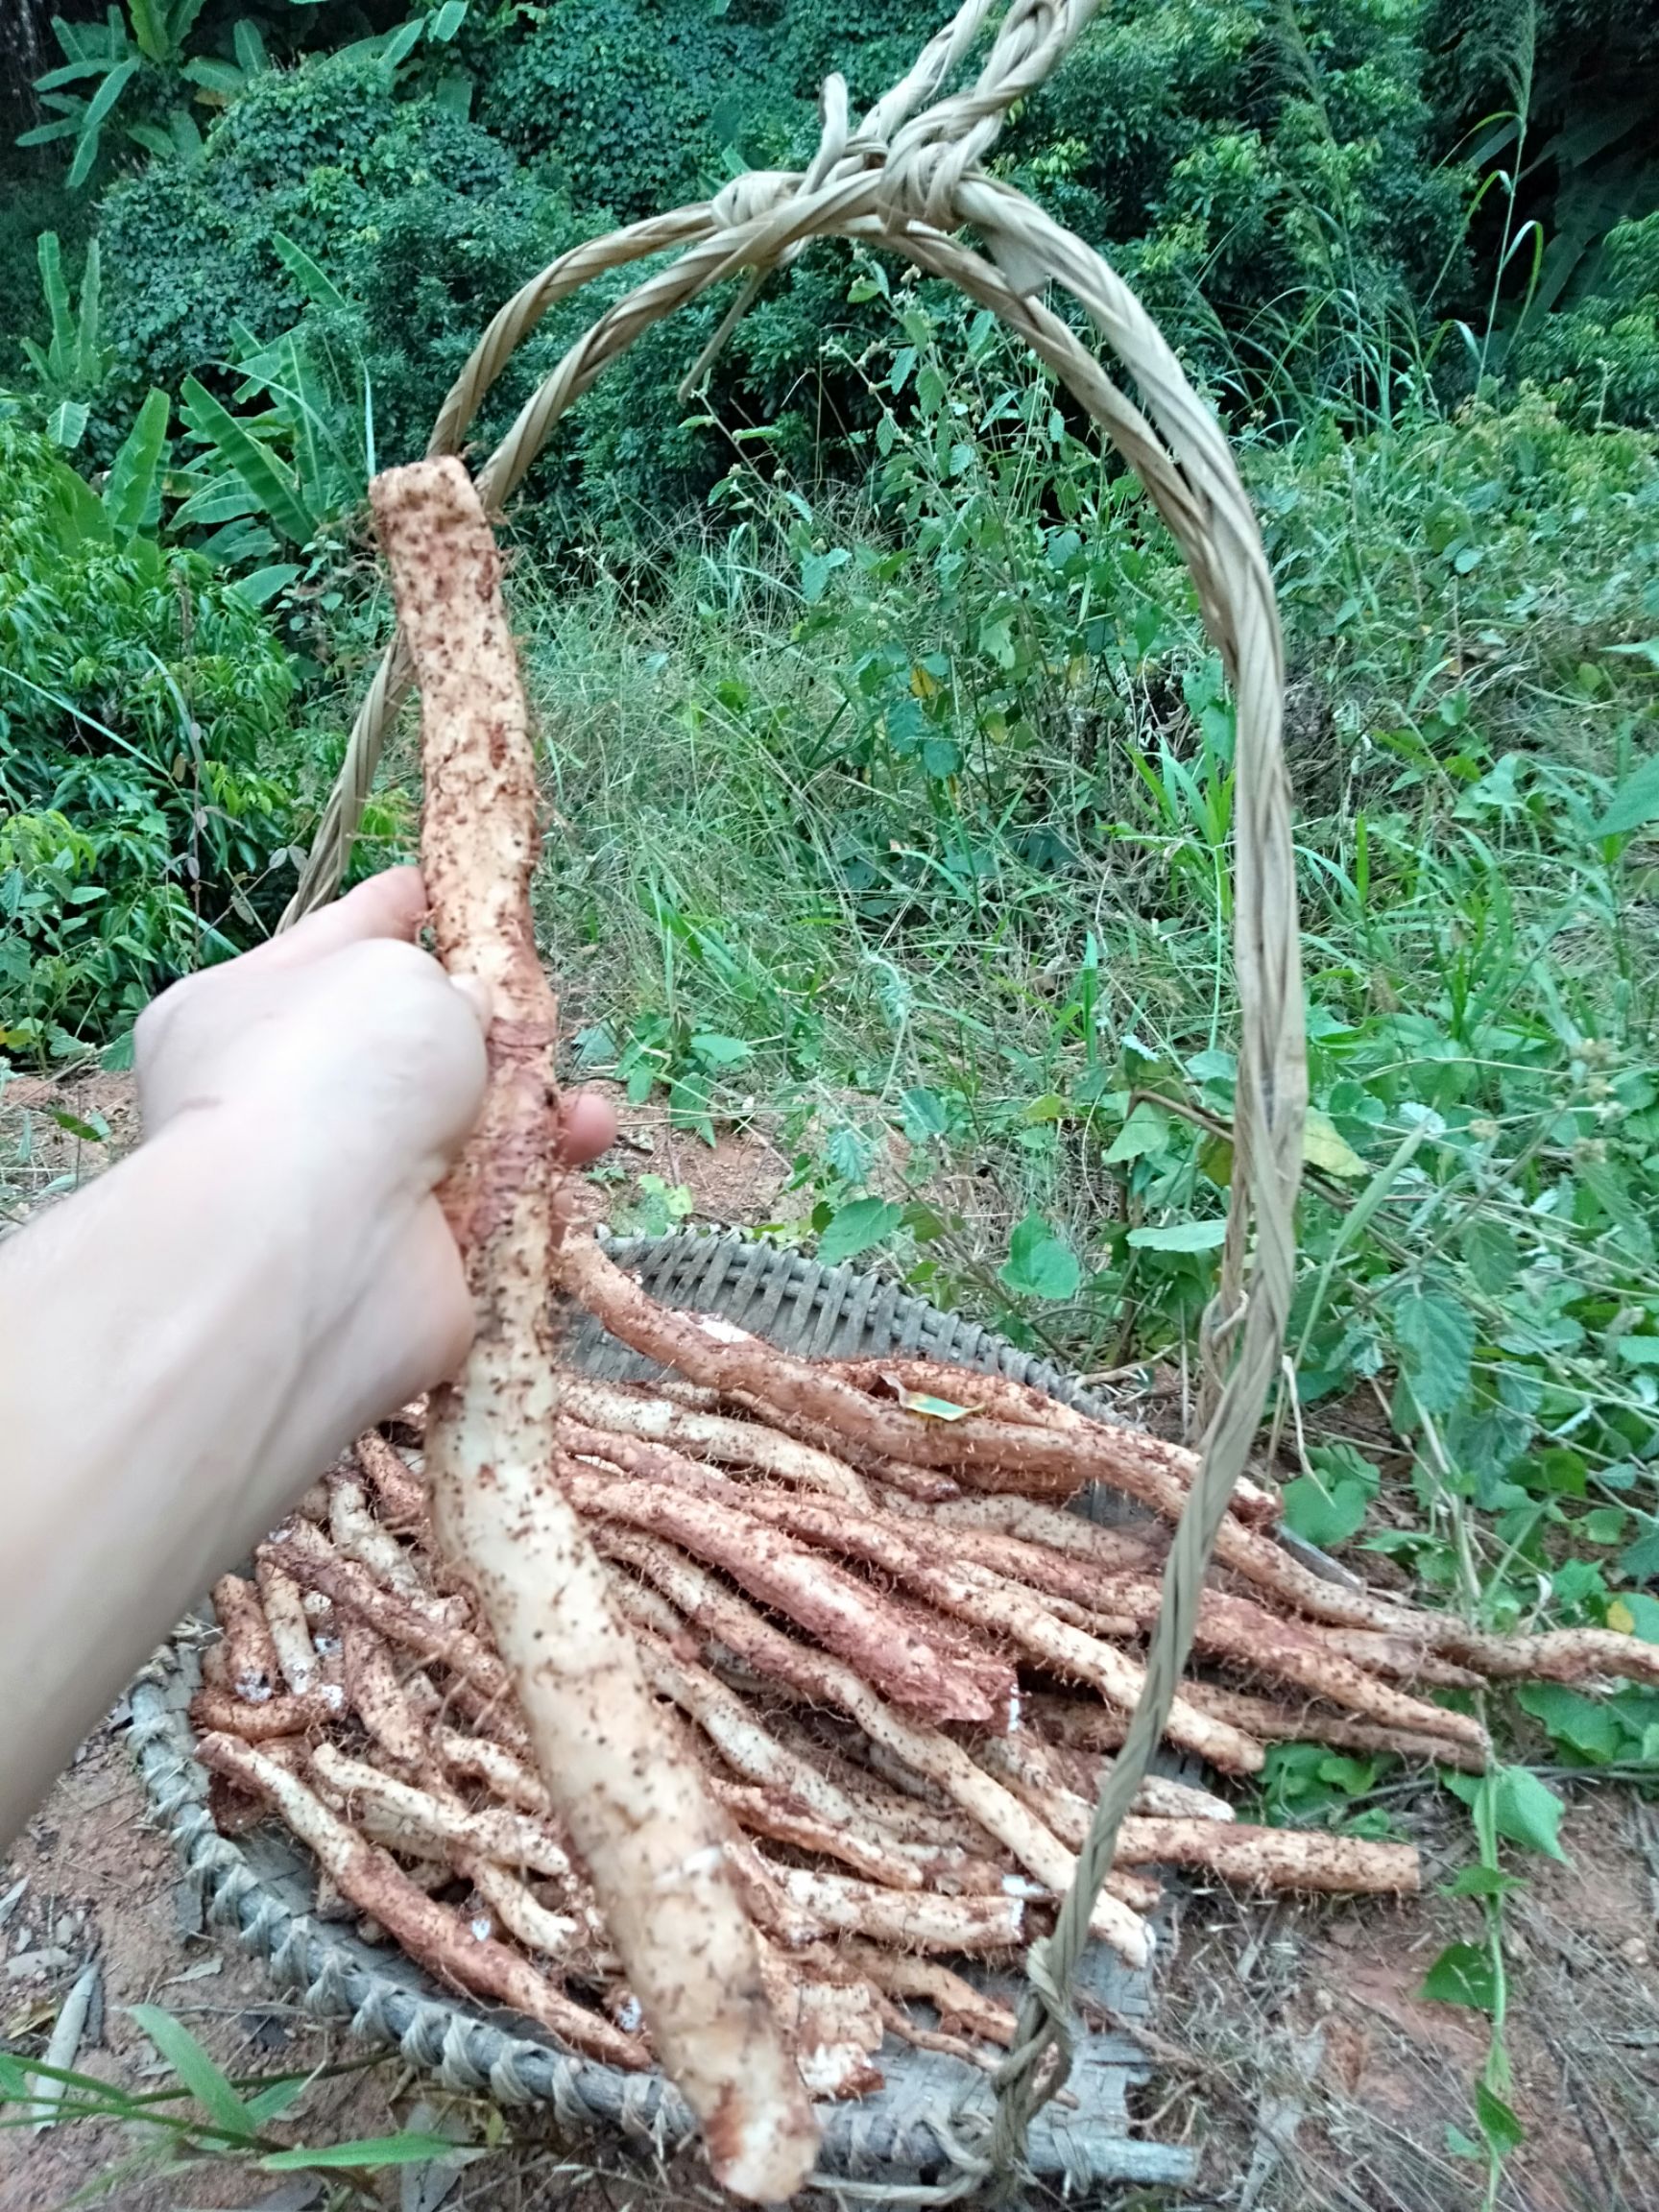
[200, 2114]
[147, 756]
[894, 773]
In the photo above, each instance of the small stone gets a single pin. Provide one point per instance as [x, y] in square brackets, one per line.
[23, 1964]
[1634, 1950]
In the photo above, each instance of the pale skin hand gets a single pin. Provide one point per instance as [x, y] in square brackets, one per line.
[188, 1343]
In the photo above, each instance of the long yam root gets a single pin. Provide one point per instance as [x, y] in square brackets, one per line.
[253, 1669]
[625, 1411]
[899, 1649]
[981, 1450]
[633, 1803]
[428, 1931]
[995, 1809]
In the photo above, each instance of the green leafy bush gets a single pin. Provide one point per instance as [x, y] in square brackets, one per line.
[1268, 177]
[146, 766]
[420, 218]
[618, 98]
[1600, 357]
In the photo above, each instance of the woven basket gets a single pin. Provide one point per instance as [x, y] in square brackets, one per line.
[259, 1890]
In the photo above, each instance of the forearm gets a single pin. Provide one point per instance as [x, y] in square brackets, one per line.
[153, 1333]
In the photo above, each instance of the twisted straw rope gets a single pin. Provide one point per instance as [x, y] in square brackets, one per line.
[904, 181]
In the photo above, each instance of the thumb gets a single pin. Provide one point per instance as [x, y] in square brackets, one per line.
[478, 995]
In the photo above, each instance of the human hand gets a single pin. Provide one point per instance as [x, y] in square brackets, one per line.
[346, 1069]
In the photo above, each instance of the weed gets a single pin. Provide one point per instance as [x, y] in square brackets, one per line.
[202, 2114]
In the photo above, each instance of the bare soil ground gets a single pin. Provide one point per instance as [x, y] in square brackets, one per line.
[1321, 2079]
[1294, 2048]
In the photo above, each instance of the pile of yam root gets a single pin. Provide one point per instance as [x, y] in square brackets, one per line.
[899, 1678]
[703, 1723]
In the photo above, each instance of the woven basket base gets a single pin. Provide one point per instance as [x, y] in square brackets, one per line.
[259, 1890]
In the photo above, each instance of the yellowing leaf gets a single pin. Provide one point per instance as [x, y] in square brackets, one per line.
[935, 1409]
[1324, 1146]
[920, 1401]
[1621, 1616]
[923, 683]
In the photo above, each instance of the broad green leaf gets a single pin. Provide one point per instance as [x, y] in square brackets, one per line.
[1146, 1130]
[97, 108]
[1604, 1524]
[132, 478]
[1583, 1725]
[221, 77]
[1640, 1559]
[14, 2081]
[91, 358]
[1493, 1255]
[153, 138]
[1180, 1236]
[79, 512]
[210, 2088]
[86, 145]
[240, 544]
[1527, 1811]
[186, 135]
[311, 279]
[150, 28]
[1639, 1351]
[1482, 1882]
[1436, 1338]
[856, 1227]
[50, 255]
[1039, 1264]
[250, 46]
[447, 20]
[1498, 2124]
[264, 584]
[71, 73]
[404, 2150]
[1463, 1975]
[925, 1115]
[1323, 1514]
[1612, 1189]
[816, 570]
[1634, 1613]
[45, 133]
[717, 1051]
[848, 1153]
[397, 45]
[66, 424]
[1634, 803]
[224, 499]
[258, 468]
[1324, 1146]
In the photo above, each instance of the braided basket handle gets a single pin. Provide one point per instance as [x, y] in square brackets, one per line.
[905, 182]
